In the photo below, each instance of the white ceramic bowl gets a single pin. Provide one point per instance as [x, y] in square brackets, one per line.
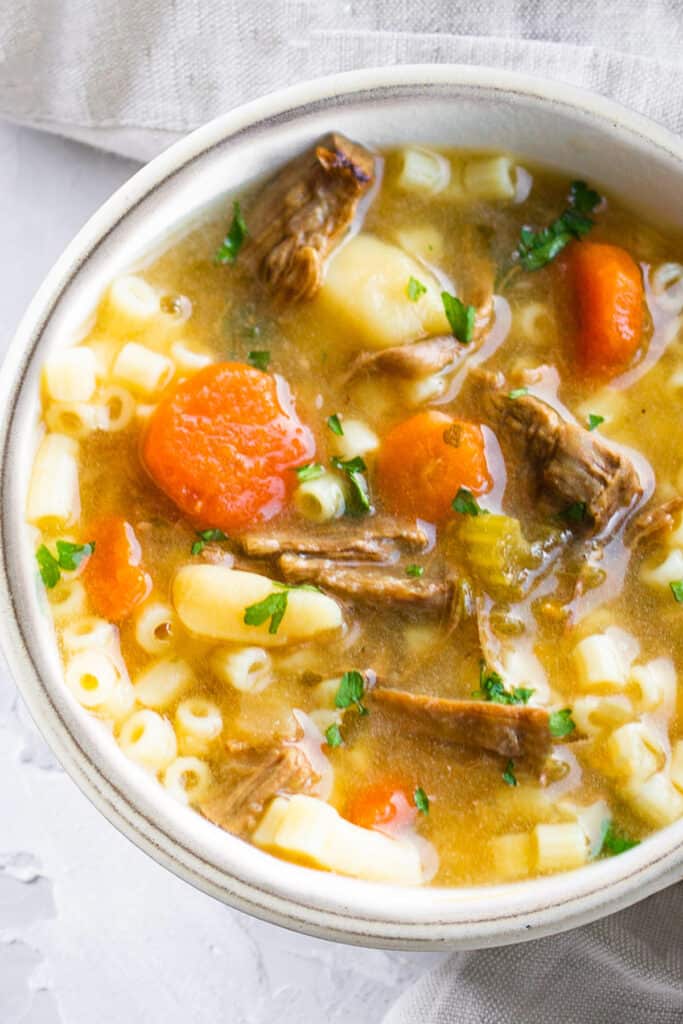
[574, 131]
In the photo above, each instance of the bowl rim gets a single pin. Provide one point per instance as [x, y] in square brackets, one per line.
[329, 906]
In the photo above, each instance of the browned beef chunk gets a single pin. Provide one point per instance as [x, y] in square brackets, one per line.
[371, 541]
[367, 584]
[252, 776]
[410, 362]
[516, 731]
[569, 465]
[300, 216]
[654, 520]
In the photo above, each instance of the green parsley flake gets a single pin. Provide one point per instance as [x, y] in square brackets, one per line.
[415, 570]
[594, 420]
[334, 423]
[561, 723]
[575, 513]
[69, 558]
[614, 843]
[538, 248]
[492, 688]
[259, 358]
[518, 393]
[509, 776]
[333, 735]
[310, 472]
[360, 496]
[350, 691]
[233, 241]
[206, 537]
[460, 317]
[465, 503]
[272, 607]
[415, 289]
[421, 800]
[677, 590]
[49, 567]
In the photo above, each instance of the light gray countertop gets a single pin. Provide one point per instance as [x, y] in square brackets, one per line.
[91, 929]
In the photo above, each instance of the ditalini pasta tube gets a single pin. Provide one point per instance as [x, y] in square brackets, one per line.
[54, 495]
[212, 601]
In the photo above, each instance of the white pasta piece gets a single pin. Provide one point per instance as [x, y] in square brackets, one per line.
[68, 599]
[521, 667]
[560, 847]
[535, 322]
[54, 496]
[423, 171]
[198, 723]
[634, 751]
[667, 572]
[70, 375]
[143, 371]
[424, 389]
[149, 740]
[594, 820]
[88, 632]
[324, 693]
[248, 669]
[425, 242]
[211, 601]
[104, 350]
[132, 305]
[512, 855]
[676, 769]
[596, 715]
[667, 286]
[155, 626]
[366, 291]
[189, 360]
[161, 684]
[599, 663]
[188, 779]
[120, 406]
[77, 419]
[306, 827]
[357, 439]
[656, 684]
[91, 676]
[321, 499]
[491, 177]
[656, 800]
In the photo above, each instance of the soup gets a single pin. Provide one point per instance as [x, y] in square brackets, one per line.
[360, 523]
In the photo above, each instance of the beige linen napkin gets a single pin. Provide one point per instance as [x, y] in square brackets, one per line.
[132, 75]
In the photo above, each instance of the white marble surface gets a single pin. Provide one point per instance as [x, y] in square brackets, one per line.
[91, 929]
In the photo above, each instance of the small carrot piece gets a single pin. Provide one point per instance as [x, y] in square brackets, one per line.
[114, 577]
[222, 446]
[425, 460]
[381, 804]
[608, 290]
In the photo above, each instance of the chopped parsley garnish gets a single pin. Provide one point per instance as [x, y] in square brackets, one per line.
[415, 289]
[677, 590]
[205, 537]
[360, 495]
[310, 472]
[272, 607]
[421, 800]
[415, 570]
[538, 248]
[259, 358]
[509, 776]
[574, 513]
[465, 503]
[614, 843]
[492, 688]
[351, 690]
[561, 723]
[69, 557]
[594, 420]
[334, 423]
[518, 393]
[333, 735]
[233, 241]
[460, 317]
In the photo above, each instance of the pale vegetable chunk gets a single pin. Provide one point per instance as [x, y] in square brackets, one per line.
[667, 572]
[357, 439]
[513, 855]
[423, 171]
[490, 177]
[634, 751]
[599, 664]
[211, 601]
[560, 847]
[54, 495]
[656, 801]
[70, 375]
[656, 683]
[366, 289]
[306, 827]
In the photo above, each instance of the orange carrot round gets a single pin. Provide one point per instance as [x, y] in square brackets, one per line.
[222, 445]
[114, 576]
[424, 461]
[608, 290]
[381, 804]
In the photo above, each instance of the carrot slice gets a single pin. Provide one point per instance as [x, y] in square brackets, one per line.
[222, 445]
[114, 576]
[381, 804]
[425, 460]
[609, 295]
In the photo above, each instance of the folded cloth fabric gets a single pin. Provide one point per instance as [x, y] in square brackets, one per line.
[132, 75]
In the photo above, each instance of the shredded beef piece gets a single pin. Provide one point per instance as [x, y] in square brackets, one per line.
[300, 216]
[654, 520]
[372, 541]
[411, 362]
[366, 583]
